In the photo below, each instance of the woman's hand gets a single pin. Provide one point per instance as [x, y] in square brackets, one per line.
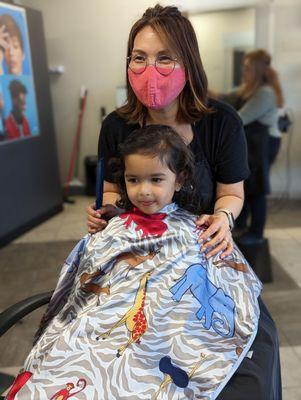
[218, 233]
[97, 219]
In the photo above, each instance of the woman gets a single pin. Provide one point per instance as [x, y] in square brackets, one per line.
[257, 101]
[167, 85]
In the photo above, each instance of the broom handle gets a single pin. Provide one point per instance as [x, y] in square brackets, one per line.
[75, 147]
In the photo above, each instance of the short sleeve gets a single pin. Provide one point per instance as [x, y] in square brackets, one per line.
[231, 162]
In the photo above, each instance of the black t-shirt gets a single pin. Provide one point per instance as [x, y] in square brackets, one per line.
[218, 144]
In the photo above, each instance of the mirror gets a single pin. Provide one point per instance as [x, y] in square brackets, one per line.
[224, 37]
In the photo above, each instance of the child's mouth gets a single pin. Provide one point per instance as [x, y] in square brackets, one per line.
[146, 203]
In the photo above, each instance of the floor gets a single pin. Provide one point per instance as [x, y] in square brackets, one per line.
[57, 236]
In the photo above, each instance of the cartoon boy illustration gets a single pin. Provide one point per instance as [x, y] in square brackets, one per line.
[16, 124]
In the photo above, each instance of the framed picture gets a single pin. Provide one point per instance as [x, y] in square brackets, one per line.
[18, 106]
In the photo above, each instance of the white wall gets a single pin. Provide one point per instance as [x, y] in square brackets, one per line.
[218, 33]
[89, 39]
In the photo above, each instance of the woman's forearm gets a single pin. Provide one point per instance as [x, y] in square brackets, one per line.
[231, 203]
[110, 198]
[230, 196]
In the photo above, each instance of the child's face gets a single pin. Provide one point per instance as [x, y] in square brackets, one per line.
[14, 56]
[150, 184]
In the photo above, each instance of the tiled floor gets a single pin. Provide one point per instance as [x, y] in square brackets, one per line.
[283, 296]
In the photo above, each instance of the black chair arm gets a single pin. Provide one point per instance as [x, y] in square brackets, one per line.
[19, 310]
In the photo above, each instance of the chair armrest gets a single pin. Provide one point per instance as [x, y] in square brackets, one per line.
[19, 310]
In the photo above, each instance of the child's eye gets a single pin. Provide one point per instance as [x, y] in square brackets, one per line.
[157, 180]
[132, 180]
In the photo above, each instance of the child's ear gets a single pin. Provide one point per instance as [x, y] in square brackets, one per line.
[178, 187]
[179, 182]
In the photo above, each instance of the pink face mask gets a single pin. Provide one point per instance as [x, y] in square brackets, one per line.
[154, 90]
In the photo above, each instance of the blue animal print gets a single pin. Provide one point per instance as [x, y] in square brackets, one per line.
[211, 298]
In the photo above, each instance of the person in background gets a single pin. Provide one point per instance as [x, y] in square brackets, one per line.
[257, 101]
[167, 84]
[14, 52]
[16, 124]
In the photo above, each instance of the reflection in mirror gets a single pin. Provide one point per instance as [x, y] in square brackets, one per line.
[224, 36]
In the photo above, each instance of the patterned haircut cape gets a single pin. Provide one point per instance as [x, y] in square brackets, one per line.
[140, 313]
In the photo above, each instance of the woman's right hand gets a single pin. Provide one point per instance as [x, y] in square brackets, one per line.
[95, 221]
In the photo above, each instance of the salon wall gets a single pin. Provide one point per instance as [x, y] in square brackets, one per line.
[89, 39]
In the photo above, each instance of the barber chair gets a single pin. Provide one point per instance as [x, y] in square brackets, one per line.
[14, 314]
[258, 256]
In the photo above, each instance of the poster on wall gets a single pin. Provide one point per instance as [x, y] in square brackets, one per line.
[18, 106]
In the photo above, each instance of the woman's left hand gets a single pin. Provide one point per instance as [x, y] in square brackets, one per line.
[218, 233]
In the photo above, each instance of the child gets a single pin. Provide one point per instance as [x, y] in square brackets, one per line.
[139, 312]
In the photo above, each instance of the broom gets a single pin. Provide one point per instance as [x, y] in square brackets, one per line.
[76, 146]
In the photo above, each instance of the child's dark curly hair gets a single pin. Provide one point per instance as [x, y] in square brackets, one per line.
[163, 142]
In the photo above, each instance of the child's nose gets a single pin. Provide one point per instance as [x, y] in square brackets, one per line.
[145, 188]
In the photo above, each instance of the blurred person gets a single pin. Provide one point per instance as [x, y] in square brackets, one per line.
[16, 124]
[257, 101]
[14, 51]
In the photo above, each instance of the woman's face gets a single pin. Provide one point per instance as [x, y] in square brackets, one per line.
[154, 72]
[248, 71]
[148, 43]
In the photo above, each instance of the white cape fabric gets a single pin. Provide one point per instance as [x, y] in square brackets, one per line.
[140, 313]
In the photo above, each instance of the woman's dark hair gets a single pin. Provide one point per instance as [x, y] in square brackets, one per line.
[163, 142]
[177, 32]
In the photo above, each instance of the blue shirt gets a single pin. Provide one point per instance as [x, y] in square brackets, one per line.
[262, 107]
